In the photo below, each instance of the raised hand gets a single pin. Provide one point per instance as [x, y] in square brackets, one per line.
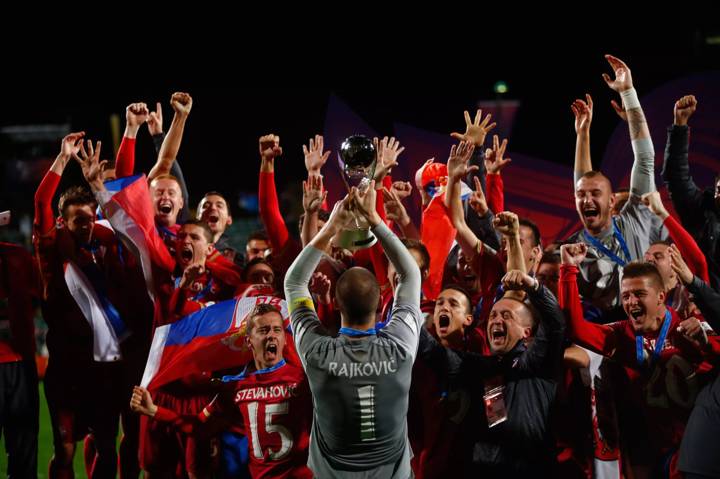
[71, 144]
[314, 156]
[507, 223]
[693, 330]
[313, 194]
[394, 208]
[457, 163]
[573, 254]
[678, 264]
[583, 111]
[320, 285]
[141, 402]
[387, 153]
[155, 120]
[623, 78]
[475, 131]
[363, 202]
[401, 189]
[181, 103]
[136, 114]
[190, 276]
[477, 199]
[653, 201]
[494, 161]
[342, 215]
[270, 147]
[684, 108]
[91, 165]
[515, 280]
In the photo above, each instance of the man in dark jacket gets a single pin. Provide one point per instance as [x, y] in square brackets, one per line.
[516, 385]
[698, 209]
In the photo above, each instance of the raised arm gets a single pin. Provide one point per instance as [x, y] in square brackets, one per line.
[642, 177]
[706, 298]
[135, 115]
[457, 166]
[583, 112]
[396, 211]
[44, 218]
[686, 196]
[685, 243]
[313, 198]
[597, 337]
[270, 215]
[306, 326]
[407, 291]
[182, 104]
[479, 217]
[476, 131]
[544, 355]
[495, 162]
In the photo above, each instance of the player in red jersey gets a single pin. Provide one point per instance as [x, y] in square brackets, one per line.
[270, 398]
[662, 352]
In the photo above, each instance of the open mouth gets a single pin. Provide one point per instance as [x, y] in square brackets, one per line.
[165, 208]
[591, 213]
[186, 254]
[444, 321]
[213, 219]
[636, 313]
[497, 332]
[271, 349]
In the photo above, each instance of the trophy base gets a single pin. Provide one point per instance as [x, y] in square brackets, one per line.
[355, 239]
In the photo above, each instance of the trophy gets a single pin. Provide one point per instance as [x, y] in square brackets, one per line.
[357, 160]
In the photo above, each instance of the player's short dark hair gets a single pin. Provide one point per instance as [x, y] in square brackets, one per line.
[75, 195]
[528, 223]
[259, 310]
[357, 294]
[207, 232]
[463, 291]
[639, 269]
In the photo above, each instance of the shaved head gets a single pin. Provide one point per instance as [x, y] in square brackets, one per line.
[357, 294]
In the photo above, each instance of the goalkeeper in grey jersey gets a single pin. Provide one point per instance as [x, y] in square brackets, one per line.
[360, 379]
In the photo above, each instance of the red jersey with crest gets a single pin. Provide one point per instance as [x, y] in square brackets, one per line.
[275, 408]
[664, 388]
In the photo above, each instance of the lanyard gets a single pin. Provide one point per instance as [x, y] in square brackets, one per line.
[618, 235]
[357, 332]
[640, 352]
[244, 374]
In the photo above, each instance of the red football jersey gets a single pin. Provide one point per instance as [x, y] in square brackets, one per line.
[276, 409]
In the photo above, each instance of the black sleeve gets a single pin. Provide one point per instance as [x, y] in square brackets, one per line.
[176, 171]
[708, 300]
[477, 159]
[456, 367]
[687, 198]
[544, 355]
[482, 227]
[158, 141]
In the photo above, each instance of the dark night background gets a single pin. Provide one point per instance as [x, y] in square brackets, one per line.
[219, 149]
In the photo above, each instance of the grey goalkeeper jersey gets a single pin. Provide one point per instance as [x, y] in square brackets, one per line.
[359, 385]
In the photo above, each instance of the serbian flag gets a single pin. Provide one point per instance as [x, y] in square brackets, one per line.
[128, 207]
[211, 339]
